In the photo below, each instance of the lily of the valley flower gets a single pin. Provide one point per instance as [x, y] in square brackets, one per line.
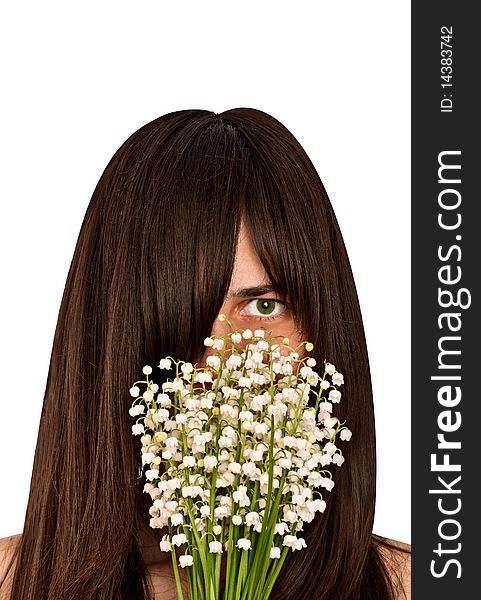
[238, 456]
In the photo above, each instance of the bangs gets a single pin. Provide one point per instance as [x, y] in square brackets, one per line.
[194, 185]
[191, 234]
[280, 225]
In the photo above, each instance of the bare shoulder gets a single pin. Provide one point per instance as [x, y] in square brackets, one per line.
[397, 557]
[8, 545]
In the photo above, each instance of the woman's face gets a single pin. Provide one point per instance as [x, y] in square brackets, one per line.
[251, 303]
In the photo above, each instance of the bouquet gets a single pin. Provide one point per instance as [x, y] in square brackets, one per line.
[237, 458]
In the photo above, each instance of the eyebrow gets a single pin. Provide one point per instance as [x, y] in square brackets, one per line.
[252, 292]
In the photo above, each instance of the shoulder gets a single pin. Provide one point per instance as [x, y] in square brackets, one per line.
[397, 558]
[8, 545]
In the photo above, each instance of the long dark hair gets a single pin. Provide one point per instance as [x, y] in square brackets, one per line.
[150, 272]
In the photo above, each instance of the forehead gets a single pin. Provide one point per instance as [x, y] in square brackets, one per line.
[248, 270]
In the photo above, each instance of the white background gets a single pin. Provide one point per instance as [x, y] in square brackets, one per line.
[79, 79]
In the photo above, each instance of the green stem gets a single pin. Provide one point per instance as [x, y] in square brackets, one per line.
[266, 590]
[261, 540]
[229, 557]
[191, 581]
[198, 541]
[241, 575]
[217, 565]
[233, 530]
[262, 559]
[198, 584]
[253, 536]
[180, 595]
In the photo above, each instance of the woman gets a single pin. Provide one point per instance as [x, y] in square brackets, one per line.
[197, 213]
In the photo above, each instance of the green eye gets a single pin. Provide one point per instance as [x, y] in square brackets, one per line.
[265, 308]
